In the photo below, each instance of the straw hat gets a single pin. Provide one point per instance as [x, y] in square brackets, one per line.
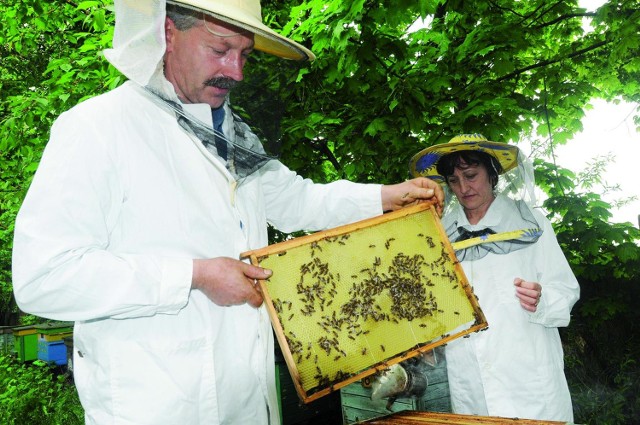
[247, 14]
[424, 162]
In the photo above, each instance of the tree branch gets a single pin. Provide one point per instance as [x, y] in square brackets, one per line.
[552, 61]
[322, 147]
[563, 17]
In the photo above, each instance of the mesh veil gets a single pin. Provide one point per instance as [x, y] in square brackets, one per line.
[517, 184]
[244, 156]
[138, 50]
[139, 43]
[515, 231]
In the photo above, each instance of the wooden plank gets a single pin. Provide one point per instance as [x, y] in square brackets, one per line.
[422, 418]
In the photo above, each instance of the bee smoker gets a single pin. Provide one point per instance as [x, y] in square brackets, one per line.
[405, 379]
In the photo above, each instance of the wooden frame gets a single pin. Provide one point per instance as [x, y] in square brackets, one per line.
[350, 301]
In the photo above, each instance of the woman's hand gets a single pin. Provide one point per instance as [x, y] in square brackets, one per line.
[529, 294]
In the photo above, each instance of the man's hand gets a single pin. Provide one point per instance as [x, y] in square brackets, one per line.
[412, 192]
[226, 281]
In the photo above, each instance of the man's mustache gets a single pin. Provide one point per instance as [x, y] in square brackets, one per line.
[221, 82]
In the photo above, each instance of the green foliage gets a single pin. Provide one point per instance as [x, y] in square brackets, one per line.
[597, 250]
[36, 394]
[50, 59]
[501, 68]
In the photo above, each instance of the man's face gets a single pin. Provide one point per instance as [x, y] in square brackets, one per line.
[203, 62]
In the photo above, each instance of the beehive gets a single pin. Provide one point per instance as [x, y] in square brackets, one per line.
[426, 418]
[355, 299]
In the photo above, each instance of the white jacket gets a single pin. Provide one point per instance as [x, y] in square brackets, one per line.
[515, 368]
[122, 201]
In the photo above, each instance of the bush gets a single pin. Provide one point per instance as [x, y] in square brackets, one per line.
[36, 393]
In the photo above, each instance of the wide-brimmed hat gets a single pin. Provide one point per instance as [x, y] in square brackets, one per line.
[424, 162]
[246, 14]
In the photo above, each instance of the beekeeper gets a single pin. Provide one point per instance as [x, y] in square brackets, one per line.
[141, 205]
[525, 287]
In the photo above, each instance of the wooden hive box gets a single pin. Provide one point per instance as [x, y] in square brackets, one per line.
[355, 299]
[426, 418]
[26, 342]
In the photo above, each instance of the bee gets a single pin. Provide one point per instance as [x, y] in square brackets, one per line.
[430, 242]
[277, 305]
[387, 244]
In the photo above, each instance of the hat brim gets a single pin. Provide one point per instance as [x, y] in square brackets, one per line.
[424, 162]
[265, 39]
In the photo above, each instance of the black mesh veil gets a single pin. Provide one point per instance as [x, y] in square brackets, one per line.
[243, 156]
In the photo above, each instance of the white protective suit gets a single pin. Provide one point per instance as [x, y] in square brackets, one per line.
[515, 368]
[122, 201]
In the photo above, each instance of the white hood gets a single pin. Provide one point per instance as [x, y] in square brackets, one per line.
[139, 44]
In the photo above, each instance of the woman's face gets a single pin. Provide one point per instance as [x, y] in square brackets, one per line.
[472, 186]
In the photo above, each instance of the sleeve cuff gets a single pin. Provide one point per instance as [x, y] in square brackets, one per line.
[176, 285]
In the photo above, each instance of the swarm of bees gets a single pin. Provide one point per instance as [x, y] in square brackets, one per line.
[395, 287]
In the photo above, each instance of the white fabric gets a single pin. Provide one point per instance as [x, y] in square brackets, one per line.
[121, 203]
[139, 43]
[515, 368]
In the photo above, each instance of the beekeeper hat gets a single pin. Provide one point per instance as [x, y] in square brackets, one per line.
[424, 162]
[246, 14]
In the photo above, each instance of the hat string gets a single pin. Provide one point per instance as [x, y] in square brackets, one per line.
[218, 34]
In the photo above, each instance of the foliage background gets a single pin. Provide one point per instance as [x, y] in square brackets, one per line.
[511, 70]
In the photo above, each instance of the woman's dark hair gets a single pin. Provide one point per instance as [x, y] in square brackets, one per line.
[462, 159]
